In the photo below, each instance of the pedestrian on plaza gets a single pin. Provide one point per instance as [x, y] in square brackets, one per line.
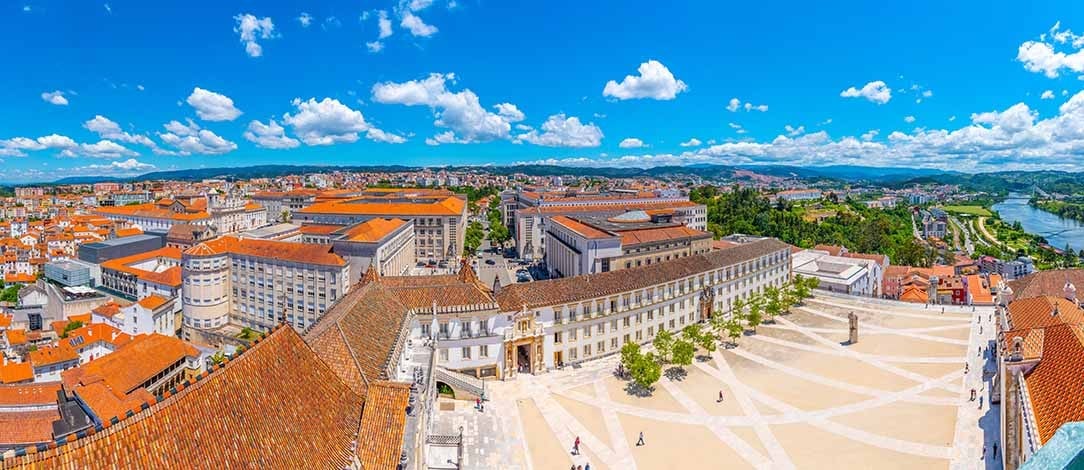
[995, 451]
[587, 467]
[980, 329]
[720, 397]
[942, 310]
[478, 404]
[983, 452]
[967, 367]
[576, 446]
[980, 402]
[972, 395]
[640, 442]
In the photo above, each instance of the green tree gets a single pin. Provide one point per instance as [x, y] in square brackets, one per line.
[699, 336]
[683, 352]
[473, 238]
[664, 345]
[246, 333]
[756, 312]
[801, 288]
[10, 294]
[773, 302]
[646, 370]
[499, 234]
[71, 326]
[630, 353]
[734, 329]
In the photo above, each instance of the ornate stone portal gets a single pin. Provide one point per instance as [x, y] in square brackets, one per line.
[853, 319]
[523, 346]
[707, 302]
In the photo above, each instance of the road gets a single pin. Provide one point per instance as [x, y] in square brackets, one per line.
[960, 228]
[500, 267]
[985, 234]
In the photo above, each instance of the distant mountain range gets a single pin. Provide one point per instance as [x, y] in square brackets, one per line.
[708, 171]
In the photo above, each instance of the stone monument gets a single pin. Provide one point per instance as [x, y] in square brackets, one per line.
[853, 319]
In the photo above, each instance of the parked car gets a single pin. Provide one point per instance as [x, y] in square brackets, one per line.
[490, 261]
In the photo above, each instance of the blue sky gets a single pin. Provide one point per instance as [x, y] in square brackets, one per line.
[120, 88]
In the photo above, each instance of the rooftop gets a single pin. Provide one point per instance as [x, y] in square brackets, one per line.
[309, 253]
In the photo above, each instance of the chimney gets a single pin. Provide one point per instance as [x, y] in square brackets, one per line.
[1017, 349]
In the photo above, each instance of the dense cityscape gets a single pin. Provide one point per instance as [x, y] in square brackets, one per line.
[470, 235]
[418, 302]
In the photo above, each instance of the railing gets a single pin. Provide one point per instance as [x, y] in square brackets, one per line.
[464, 382]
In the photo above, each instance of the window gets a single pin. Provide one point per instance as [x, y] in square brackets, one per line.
[613, 342]
[443, 355]
[601, 347]
[466, 353]
[586, 350]
[557, 337]
[483, 350]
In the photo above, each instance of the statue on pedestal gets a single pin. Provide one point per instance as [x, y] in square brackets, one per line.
[853, 319]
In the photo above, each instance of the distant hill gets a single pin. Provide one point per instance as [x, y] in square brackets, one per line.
[708, 171]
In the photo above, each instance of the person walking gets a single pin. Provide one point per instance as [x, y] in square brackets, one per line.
[972, 395]
[720, 397]
[995, 451]
[576, 446]
[983, 452]
[587, 467]
[640, 441]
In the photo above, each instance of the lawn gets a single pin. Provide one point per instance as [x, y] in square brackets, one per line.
[969, 210]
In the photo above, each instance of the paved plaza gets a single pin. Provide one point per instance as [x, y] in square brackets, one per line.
[795, 395]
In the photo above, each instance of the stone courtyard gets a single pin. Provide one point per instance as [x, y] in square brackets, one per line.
[795, 395]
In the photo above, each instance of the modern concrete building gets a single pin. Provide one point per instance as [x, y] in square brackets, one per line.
[69, 272]
[592, 244]
[855, 276]
[259, 283]
[388, 244]
[439, 217]
[528, 213]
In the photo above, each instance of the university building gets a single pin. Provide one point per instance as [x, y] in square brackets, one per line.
[225, 212]
[439, 217]
[258, 284]
[539, 326]
[591, 244]
[528, 213]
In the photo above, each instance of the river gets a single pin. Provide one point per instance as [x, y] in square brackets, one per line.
[1056, 230]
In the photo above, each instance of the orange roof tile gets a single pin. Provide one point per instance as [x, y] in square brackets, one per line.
[373, 230]
[449, 206]
[1056, 385]
[169, 276]
[19, 278]
[317, 229]
[299, 252]
[152, 302]
[16, 372]
[1038, 312]
[34, 394]
[382, 424]
[124, 370]
[255, 412]
[16, 336]
[655, 235]
[581, 228]
[27, 427]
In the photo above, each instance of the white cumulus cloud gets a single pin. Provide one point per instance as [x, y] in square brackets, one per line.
[305, 19]
[416, 26]
[251, 28]
[693, 142]
[211, 106]
[270, 135]
[563, 131]
[654, 81]
[1047, 95]
[460, 112]
[190, 139]
[631, 143]
[328, 122]
[55, 97]
[875, 91]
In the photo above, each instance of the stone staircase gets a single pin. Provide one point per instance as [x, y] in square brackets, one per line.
[461, 382]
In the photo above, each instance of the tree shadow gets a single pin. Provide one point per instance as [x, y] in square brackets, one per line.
[676, 374]
[636, 390]
[703, 358]
[730, 345]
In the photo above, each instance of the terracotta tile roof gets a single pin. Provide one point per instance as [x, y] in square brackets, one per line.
[914, 294]
[16, 336]
[590, 286]
[1037, 312]
[35, 394]
[372, 230]
[107, 310]
[613, 208]
[13, 372]
[170, 276]
[1046, 283]
[980, 292]
[152, 302]
[359, 335]
[23, 428]
[5, 320]
[125, 369]
[448, 206]
[127, 232]
[581, 228]
[942, 271]
[310, 253]
[257, 411]
[382, 424]
[1056, 385]
[316, 229]
[655, 235]
[19, 278]
[423, 292]
[153, 211]
[723, 244]
[833, 250]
